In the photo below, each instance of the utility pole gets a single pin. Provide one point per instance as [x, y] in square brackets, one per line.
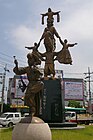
[3, 87]
[89, 89]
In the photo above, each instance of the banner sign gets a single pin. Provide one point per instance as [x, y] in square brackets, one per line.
[73, 90]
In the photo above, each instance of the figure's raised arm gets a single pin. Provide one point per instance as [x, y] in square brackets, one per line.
[55, 13]
[15, 61]
[29, 48]
[61, 41]
[18, 70]
[72, 45]
[44, 14]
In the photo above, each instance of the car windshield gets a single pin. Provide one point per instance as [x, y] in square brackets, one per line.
[3, 115]
[67, 114]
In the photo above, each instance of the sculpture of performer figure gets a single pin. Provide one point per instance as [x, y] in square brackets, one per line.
[64, 55]
[34, 86]
[50, 14]
[49, 68]
[48, 57]
[48, 36]
[37, 60]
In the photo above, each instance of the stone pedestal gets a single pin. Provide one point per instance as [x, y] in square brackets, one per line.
[36, 130]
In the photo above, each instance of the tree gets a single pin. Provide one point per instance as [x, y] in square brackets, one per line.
[7, 108]
[73, 103]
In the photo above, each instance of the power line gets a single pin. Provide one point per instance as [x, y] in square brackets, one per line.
[4, 61]
[5, 55]
[11, 57]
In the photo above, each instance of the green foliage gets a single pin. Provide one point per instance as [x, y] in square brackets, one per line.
[6, 108]
[73, 103]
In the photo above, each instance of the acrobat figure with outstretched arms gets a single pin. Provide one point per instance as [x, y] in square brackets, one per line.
[64, 55]
[50, 15]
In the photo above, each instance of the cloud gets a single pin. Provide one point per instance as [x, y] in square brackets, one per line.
[79, 24]
[76, 26]
[22, 36]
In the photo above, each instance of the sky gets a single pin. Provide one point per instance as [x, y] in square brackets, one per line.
[20, 26]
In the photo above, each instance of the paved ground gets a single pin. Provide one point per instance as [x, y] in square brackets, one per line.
[65, 128]
[70, 128]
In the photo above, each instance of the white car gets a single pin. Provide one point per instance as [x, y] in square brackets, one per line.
[10, 118]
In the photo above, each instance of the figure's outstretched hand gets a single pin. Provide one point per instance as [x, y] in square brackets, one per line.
[42, 14]
[28, 47]
[75, 43]
[59, 11]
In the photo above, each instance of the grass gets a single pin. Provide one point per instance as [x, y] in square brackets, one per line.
[6, 134]
[82, 134]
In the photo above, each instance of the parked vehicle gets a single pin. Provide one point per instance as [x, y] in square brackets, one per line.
[26, 115]
[78, 118]
[10, 118]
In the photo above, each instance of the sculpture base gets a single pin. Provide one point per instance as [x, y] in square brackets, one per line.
[36, 130]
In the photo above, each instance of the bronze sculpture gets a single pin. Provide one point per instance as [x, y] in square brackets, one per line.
[34, 86]
[64, 55]
[49, 58]
[35, 58]
[49, 37]
[49, 15]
